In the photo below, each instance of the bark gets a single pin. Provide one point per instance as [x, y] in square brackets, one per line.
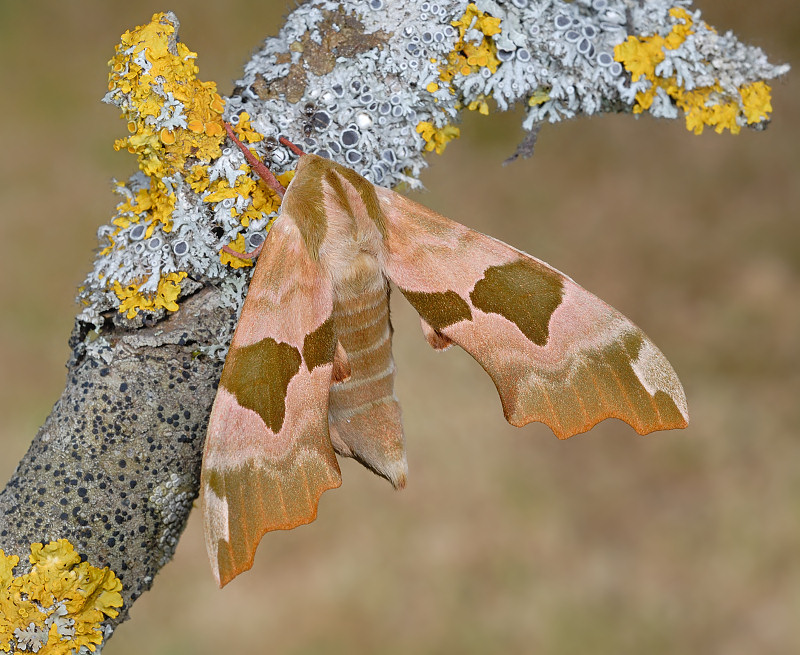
[116, 466]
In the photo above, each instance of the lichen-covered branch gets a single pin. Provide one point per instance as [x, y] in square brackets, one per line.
[378, 85]
[114, 470]
[110, 478]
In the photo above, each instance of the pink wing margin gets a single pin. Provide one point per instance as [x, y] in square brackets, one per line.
[556, 353]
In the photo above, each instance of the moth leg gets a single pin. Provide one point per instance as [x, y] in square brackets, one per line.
[257, 165]
[266, 175]
[295, 149]
[341, 364]
[244, 255]
[436, 339]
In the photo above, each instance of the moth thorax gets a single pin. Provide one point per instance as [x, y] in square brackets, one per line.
[361, 276]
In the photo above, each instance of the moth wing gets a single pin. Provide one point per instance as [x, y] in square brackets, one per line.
[556, 353]
[268, 455]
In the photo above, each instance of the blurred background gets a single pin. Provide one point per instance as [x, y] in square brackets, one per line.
[505, 540]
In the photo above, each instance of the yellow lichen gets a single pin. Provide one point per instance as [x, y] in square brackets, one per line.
[756, 101]
[220, 190]
[57, 607]
[679, 31]
[197, 178]
[703, 106]
[640, 56]
[539, 96]
[239, 245]
[132, 299]
[245, 131]
[150, 67]
[468, 57]
[476, 19]
[151, 206]
[159, 77]
[263, 201]
[480, 105]
[437, 138]
[104, 251]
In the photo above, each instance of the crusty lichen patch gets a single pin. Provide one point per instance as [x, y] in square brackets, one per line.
[59, 605]
[709, 104]
[175, 125]
[474, 51]
[470, 55]
[340, 34]
[188, 201]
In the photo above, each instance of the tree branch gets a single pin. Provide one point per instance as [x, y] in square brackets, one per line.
[115, 467]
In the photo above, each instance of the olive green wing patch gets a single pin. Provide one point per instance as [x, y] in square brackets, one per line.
[523, 291]
[259, 375]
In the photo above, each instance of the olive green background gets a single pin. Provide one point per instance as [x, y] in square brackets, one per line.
[505, 540]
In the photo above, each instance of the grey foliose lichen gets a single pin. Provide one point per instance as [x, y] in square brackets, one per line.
[377, 84]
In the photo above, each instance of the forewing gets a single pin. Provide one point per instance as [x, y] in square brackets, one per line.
[556, 353]
[268, 455]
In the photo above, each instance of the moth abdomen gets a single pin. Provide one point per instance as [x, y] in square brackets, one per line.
[362, 327]
[363, 412]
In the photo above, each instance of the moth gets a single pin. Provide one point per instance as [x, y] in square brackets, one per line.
[310, 374]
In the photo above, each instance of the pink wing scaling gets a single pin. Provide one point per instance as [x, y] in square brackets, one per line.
[556, 353]
[268, 455]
